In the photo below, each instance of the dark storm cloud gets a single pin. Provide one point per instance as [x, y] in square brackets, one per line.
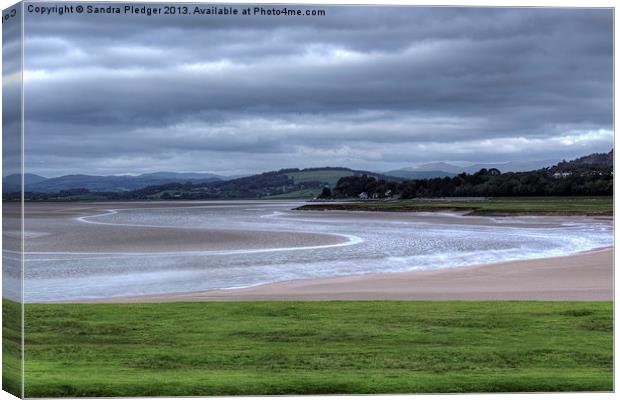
[365, 87]
[11, 94]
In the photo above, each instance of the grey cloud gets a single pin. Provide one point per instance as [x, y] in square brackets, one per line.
[375, 87]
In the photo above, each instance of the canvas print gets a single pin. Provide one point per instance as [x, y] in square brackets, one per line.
[267, 199]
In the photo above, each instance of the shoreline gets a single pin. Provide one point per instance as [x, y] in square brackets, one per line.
[594, 206]
[584, 276]
[467, 212]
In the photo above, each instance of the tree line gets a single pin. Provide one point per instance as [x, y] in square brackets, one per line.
[582, 181]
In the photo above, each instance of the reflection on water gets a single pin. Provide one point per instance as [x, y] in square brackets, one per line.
[376, 244]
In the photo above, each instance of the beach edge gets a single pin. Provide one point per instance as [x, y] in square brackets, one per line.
[554, 278]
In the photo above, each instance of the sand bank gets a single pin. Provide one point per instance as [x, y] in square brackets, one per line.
[71, 227]
[585, 276]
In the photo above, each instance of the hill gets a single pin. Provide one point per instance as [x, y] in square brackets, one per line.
[284, 183]
[109, 183]
[591, 175]
[443, 169]
[310, 178]
[328, 175]
[409, 174]
[12, 183]
[596, 160]
[511, 166]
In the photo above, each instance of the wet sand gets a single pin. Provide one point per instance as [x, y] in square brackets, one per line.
[55, 227]
[585, 276]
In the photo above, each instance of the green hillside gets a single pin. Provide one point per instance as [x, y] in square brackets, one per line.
[285, 184]
[327, 176]
[298, 194]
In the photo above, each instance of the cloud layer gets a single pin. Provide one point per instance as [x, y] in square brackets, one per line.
[365, 87]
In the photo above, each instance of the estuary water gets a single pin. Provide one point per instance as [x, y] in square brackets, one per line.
[360, 243]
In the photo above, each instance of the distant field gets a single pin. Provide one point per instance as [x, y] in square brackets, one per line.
[238, 348]
[298, 194]
[499, 205]
[328, 176]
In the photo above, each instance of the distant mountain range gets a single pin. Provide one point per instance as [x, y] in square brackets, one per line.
[11, 183]
[407, 173]
[443, 169]
[281, 184]
[284, 183]
[109, 183]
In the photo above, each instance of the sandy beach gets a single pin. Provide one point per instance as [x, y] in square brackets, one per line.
[586, 276]
[156, 252]
[50, 227]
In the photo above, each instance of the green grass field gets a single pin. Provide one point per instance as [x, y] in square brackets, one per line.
[298, 194]
[235, 348]
[498, 205]
[11, 347]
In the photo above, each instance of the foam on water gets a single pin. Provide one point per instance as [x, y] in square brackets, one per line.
[370, 245]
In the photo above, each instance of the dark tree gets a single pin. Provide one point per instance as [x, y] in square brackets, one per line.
[326, 193]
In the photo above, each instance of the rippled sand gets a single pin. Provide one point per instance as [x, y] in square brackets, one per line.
[587, 276]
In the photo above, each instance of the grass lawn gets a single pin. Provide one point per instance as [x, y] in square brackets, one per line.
[498, 205]
[298, 194]
[235, 348]
[11, 347]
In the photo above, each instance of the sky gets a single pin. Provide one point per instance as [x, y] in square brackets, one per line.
[374, 88]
